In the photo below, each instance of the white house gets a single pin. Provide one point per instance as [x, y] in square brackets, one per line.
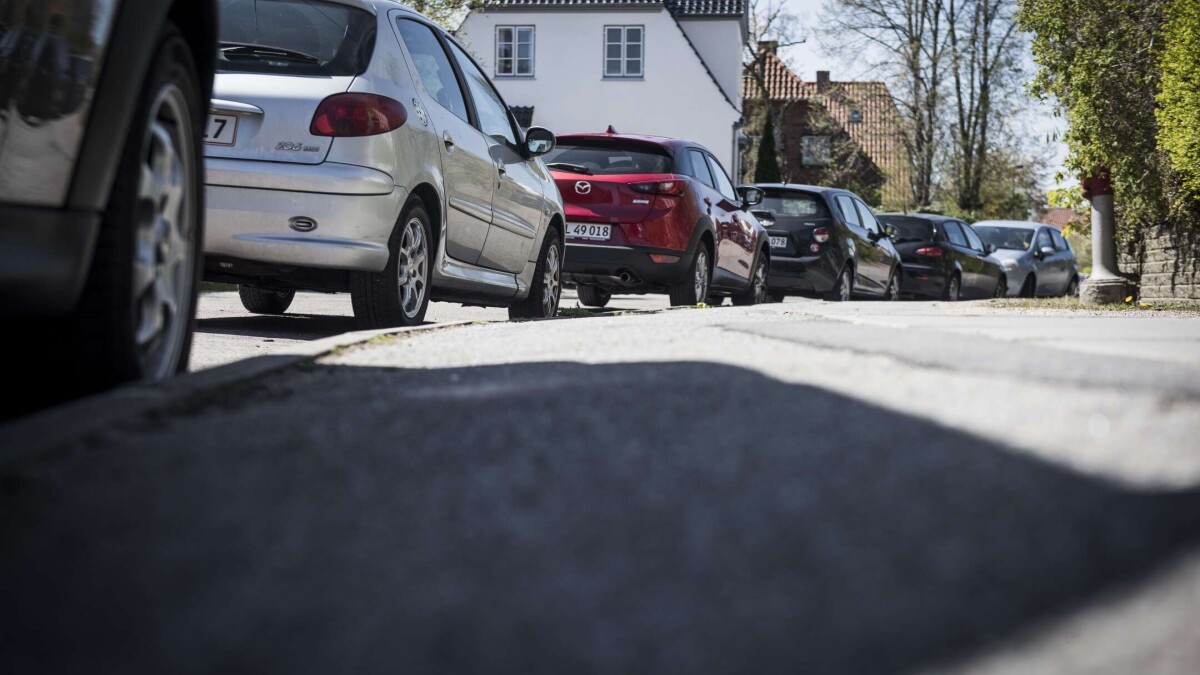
[667, 68]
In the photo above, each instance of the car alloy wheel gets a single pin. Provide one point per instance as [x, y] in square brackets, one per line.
[164, 257]
[952, 289]
[551, 281]
[701, 277]
[1001, 288]
[893, 289]
[760, 282]
[844, 285]
[412, 267]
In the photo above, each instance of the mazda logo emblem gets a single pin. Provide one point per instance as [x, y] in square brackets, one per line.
[583, 187]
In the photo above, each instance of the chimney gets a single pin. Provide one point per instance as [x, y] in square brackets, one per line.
[768, 46]
[822, 80]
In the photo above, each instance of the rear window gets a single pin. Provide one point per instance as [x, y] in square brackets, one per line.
[1011, 238]
[611, 158]
[794, 205]
[295, 37]
[909, 229]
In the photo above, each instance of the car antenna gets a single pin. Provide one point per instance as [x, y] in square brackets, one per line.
[610, 131]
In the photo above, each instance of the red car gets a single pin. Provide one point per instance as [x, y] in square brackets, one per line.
[656, 215]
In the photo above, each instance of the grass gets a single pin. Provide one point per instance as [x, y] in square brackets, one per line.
[1074, 304]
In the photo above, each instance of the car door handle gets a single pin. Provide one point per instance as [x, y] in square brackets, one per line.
[448, 140]
[500, 168]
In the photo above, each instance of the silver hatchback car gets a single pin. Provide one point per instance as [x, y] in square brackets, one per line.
[353, 145]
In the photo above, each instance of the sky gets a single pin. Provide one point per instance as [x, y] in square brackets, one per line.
[806, 59]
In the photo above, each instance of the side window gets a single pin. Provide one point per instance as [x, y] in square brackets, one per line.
[868, 218]
[433, 66]
[849, 213]
[954, 233]
[700, 169]
[724, 186]
[493, 114]
[1059, 242]
[1043, 239]
[973, 239]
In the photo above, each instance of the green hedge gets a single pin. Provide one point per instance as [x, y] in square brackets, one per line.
[1179, 94]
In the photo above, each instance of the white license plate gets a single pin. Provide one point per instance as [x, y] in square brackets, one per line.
[589, 231]
[778, 242]
[222, 130]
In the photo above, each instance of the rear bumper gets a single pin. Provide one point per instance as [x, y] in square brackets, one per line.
[922, 280]
[255, 224]
[603, 265]
[45, 255]
[807, 274]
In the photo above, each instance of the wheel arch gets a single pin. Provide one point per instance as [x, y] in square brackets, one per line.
[428, 195]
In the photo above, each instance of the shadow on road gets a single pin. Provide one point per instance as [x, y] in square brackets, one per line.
[553, 517]
[292, 326]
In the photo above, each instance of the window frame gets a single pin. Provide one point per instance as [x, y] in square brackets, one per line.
[441, 39]
[723, 174]
[804, 150]
[869, 222]
[970, 232]
[1057, 237]
[516, 47]
[857, 224]
[1037, 245]
[451, 44]
[692, 154]
[624, 58]
[952, 226]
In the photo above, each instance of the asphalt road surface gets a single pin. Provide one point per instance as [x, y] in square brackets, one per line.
[785, 488]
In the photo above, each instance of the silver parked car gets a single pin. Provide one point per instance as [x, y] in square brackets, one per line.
[1036, 259]
[355, 146]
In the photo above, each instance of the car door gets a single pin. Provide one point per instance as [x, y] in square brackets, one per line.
[982, 284]
[861, 248]
[959, 252]
[737, 253]
[1064, 260]
[517, 200]
[882, 253]
[1049, 270]
[468, 169]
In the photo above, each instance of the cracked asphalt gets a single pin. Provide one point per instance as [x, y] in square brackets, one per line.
[785, 488]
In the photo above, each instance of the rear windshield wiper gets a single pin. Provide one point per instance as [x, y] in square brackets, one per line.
[235, 49]
[573, 168]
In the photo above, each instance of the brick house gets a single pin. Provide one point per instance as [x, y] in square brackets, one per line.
[842, 134]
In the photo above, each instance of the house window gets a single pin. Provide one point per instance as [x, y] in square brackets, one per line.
[514, 51]
[816, 150]
[623, 51]
[856, 116]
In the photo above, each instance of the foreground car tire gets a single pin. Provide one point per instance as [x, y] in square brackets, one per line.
[777, 296]
[399, 295]
[692, 289]
[953, 289]
[542, 301]
[843, 288]
[757, 293]
[593, 296]
[136, 315]
[265, 300]
[892, 292]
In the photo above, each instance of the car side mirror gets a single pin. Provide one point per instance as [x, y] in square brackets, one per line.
[539, 141]
[751, 196]
[1046, 250]
[766, 218]
[890, 231]
[988, 249]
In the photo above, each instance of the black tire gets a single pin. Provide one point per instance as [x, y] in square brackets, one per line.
[593, 296]
[777, 296]
[892, 292]
[692, 289]
[843, 288]
[546, 289]
[265, 300]
[1001, 288]
[1072, 288]
[1029, 288]
[757, 292]
[399, 295]
[953, 290]
[104, 348]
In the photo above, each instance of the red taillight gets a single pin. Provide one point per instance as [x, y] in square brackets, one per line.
[357, 115]
[821, 234]
[661, 187]
[930, 251]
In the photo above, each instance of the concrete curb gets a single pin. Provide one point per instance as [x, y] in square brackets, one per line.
[56, 426]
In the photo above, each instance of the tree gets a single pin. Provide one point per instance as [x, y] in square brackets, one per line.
[766, 169]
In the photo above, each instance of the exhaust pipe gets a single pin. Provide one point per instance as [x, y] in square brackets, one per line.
[626, 279]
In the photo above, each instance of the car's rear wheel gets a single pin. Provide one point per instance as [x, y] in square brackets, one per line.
[692, 289]
[777, 296]
[843, 288]
[953, 289]
[757, 292]
[265, 300]
[892, 293]
[1029, 288]
[399, 295]
[542, 301]
[136, 315]
[593, 296]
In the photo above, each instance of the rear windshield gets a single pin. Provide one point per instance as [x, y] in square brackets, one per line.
[609, 158]
[909, 229]
[794, 205]
[1011, 238]
[295, 37]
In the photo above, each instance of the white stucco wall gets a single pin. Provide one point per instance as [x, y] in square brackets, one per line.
[720, 42]
[569, 93]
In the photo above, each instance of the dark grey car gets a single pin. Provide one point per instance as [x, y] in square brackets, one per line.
[1037, 260]
[102, 107]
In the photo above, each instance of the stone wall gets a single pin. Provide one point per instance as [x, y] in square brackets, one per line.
[1165, 264]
